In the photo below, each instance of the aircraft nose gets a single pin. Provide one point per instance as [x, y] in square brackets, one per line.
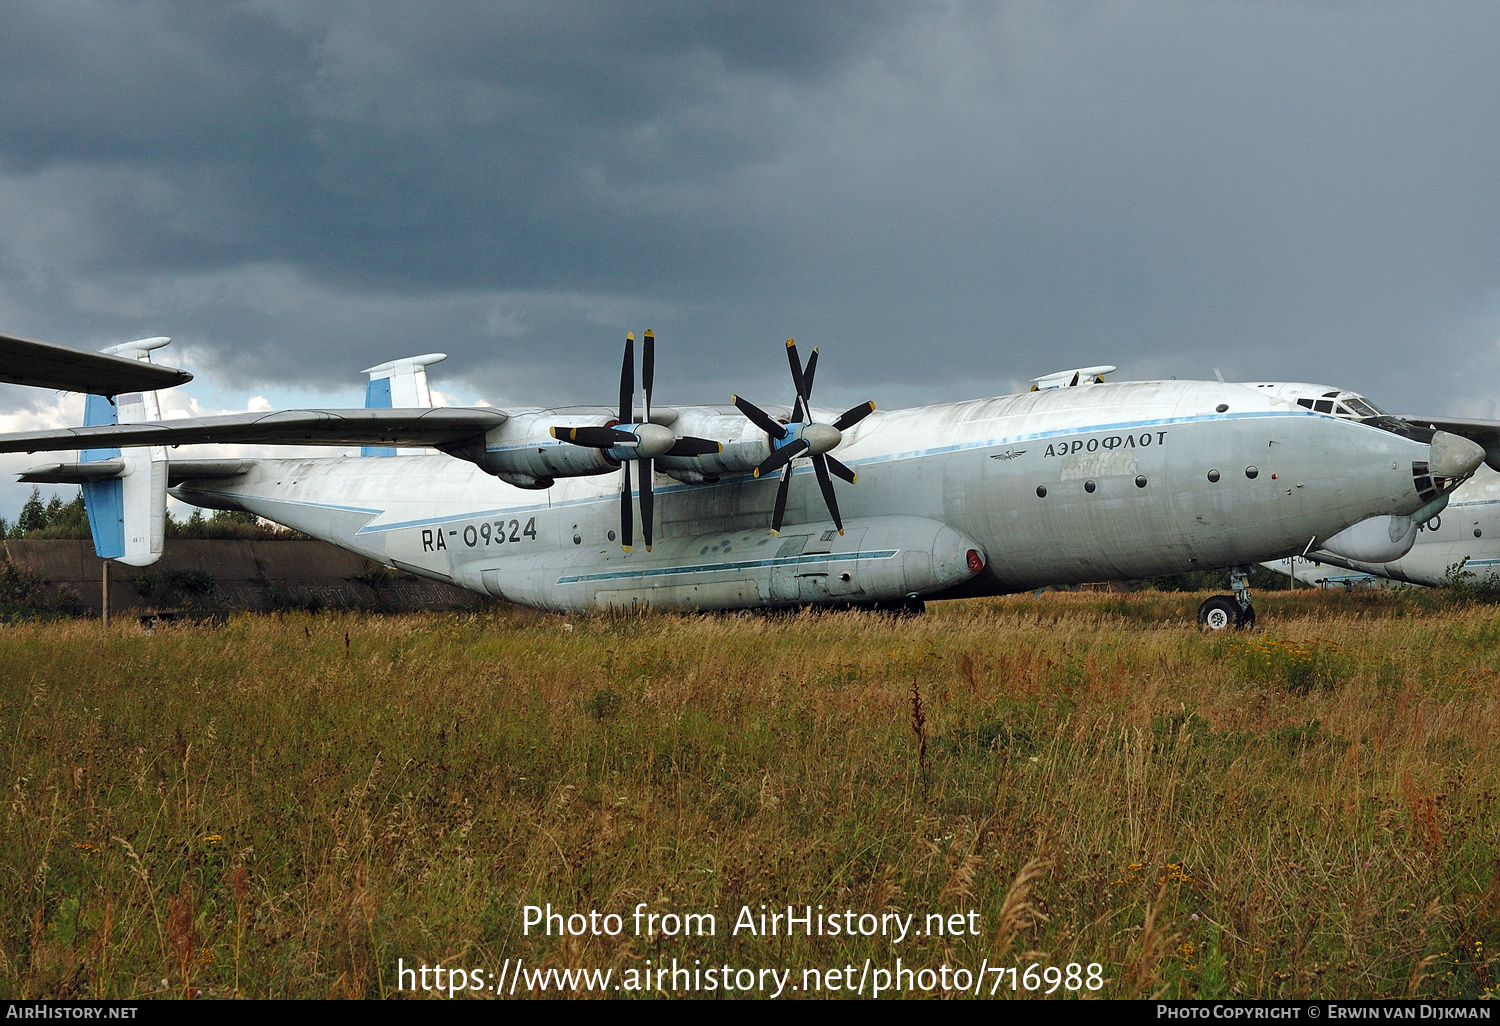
[1454, 455]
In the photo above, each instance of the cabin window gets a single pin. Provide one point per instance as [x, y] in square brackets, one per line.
[1305, 403]
[1323, 406]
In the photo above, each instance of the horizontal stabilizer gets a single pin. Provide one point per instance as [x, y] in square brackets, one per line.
[73, 473]
[179, 471]
[29, 361]
[437, 428]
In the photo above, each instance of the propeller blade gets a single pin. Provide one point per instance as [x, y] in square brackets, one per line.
[627, 532]
[840, 470]
[689, 446]
[824, 483]
[807, 374]
[627, 381]
[796, 364]
[760, 418]
[851, 417]
[799, 401]
[648, 499]
[648, 373]
[782, 456]
[594, 437]
[781, 489]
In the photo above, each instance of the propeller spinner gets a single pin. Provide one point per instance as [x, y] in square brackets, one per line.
[804, 438]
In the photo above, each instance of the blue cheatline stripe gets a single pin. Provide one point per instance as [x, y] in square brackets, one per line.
[710, 568]
[378, 397]
[1129, 425]
[104, 501]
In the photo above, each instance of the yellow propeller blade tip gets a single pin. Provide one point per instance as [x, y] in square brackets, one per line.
[648, 548]
[650, 333]
[626, 548]
[756, 472]
[841, 532]
[790, 342]
[775, 533]
[721, 447]
[856, 479]
[630, 336]
[554, 432]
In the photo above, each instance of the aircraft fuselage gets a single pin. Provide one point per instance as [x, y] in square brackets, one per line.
[1109, 481]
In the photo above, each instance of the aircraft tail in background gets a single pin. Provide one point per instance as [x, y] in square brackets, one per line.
[401, 385]
[126, 493]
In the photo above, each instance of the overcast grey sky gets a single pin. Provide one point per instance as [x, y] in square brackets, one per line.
[948, 198]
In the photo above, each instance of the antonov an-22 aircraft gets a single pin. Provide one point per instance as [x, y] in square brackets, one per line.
[1074, 481]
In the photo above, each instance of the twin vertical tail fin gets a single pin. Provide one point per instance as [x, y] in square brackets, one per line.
[399, 385]
[128, 511]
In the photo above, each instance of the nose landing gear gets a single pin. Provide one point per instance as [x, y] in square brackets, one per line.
[1224, 611]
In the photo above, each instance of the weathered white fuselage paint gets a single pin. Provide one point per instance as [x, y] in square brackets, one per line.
[1460, 545]
[1140, 478]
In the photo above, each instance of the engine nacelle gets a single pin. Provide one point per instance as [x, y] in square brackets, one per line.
[523, 452]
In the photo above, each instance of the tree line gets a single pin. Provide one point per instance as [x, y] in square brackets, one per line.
[57, 519]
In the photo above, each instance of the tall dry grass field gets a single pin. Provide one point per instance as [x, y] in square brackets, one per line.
[263, 809]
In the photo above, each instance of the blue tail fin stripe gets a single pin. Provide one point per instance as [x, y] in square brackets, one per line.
[378, 397]
[104, 500]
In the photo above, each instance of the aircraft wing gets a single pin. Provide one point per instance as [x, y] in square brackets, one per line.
[29, 361]
[1484, 432]
[437, 428]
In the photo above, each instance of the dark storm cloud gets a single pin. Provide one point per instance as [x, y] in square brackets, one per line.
[452, 146]
[950, 197]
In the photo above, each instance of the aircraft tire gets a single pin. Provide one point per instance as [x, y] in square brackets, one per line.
[1220, 613]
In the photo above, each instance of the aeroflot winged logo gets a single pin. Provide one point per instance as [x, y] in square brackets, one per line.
[1008, 454]
[1109, 443]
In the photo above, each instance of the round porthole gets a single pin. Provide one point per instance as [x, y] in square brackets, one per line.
[1251, 473]
[1222, 408]
[1477, 532]
[1041, 491]
[1213, 475]
[1089, 487]
[578, 539]
[611, 536]
[1140, 481]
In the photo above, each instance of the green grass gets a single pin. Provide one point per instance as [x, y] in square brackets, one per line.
[260, 808]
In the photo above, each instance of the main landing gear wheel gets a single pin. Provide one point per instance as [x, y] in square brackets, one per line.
[1235, 610]
[1219, 613]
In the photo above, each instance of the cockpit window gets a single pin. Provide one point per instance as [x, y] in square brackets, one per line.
[1307, 403]
[1323, 406]
[1364, 408]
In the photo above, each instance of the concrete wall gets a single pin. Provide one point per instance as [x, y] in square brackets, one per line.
[247, 575]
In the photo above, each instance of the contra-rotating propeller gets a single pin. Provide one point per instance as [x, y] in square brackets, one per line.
[804, 437]
[625, 441]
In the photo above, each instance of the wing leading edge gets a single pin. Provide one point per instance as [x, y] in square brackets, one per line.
[437, 428]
